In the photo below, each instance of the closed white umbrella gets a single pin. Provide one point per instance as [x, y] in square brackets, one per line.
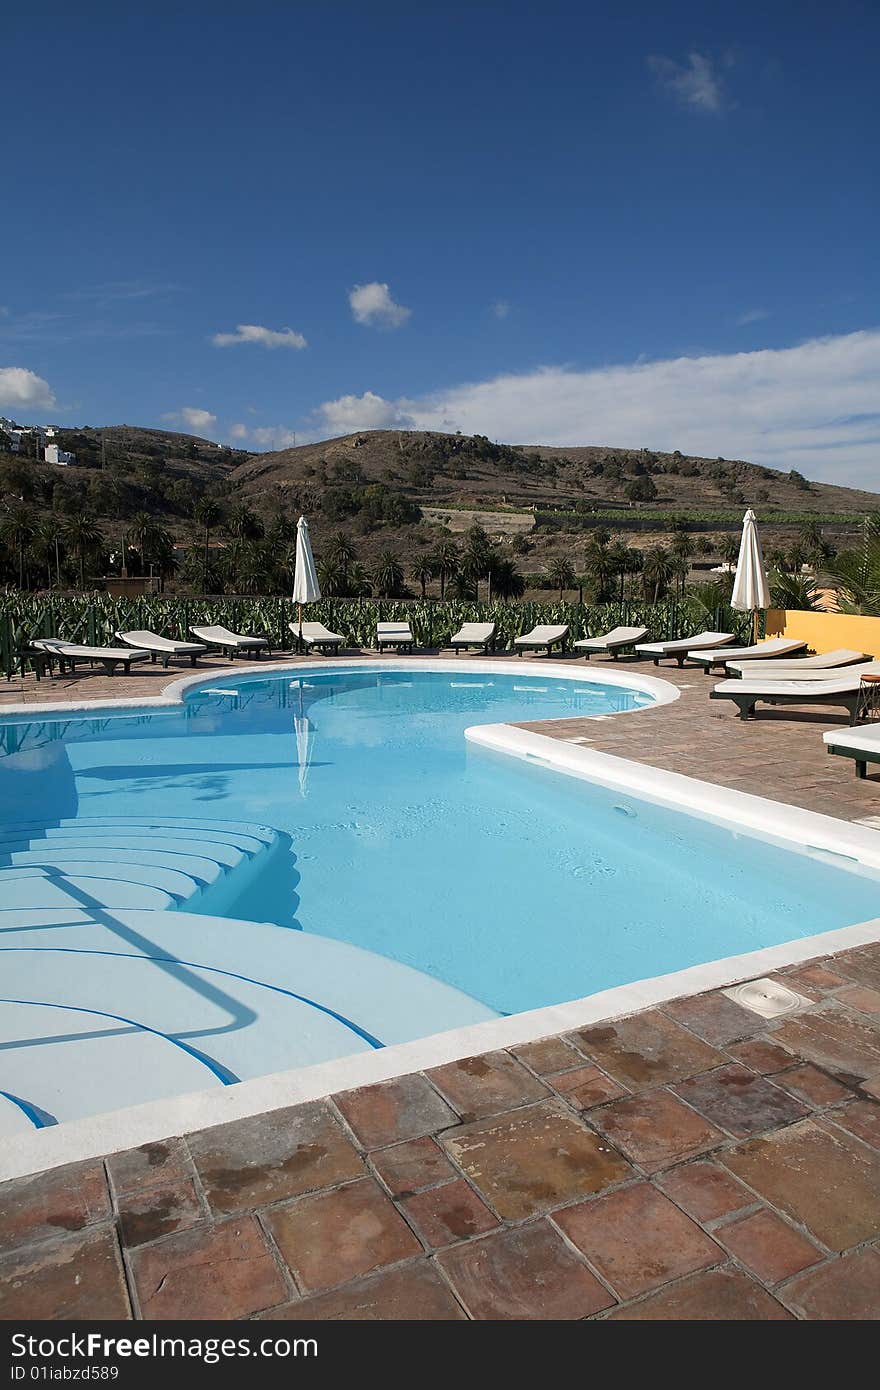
[750, 588]
[306, 588]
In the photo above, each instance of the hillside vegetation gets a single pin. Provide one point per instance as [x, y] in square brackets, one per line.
[210, 516]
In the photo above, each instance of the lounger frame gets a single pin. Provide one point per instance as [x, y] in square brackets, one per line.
[851, 701]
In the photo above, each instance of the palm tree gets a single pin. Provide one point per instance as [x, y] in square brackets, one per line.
[150, 537]
[360, 585]
[446, 558]
[729, 549]
[656, 573]
[18, 528]
[242, 524]
[600, 571]
[342, 552]
[207, 514]
[84, 538]
[619, 560]
[388, 575]
[507, 582]
[561, 575]
[856, 573]
[331, 577]
[423, 572]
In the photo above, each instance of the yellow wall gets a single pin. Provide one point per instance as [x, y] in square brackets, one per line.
[825, 632]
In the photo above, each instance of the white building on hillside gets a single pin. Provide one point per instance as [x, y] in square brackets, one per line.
[53, 453]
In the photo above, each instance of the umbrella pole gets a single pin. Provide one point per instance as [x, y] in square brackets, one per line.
[300, 638]
[755, 625]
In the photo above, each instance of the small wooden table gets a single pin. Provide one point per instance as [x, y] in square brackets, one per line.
[869, 696]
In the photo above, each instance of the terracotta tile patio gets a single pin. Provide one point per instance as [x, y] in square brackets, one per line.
[630, 1170]
[691, 1161]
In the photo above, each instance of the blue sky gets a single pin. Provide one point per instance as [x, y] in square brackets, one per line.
[631, 224]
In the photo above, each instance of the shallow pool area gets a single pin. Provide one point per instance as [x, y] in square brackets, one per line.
[295, 865]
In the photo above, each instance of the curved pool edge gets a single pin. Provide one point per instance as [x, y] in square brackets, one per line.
[174, 694]
[91, 1138]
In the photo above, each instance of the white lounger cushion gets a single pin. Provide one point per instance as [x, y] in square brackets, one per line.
[844, 684]
[393, 632]
[806, 666]
[152, 642]
[617, 637]
[759, 651]
[316, 633]
[542, 635]
[60, 648]
[476, 633]
[864, 738]
[686, 644]
[223, 637]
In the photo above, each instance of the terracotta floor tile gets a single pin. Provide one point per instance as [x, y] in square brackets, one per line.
[646, 1050]
[739, 1101]
[585, 1087]
[817, 1175]
[768, 1246]
[527, 1272]
[405, 1108]
[77, 1278]
[763, 1055]
[487, 1085]
[444, 1215]
[158, 1211]
[412, 1293]
[533, 1159]
[862, 966]
[866, 1001]
[330, 1237]
[812, 1086]
[716, 1018]
[705, 1191]
[843, 1043]
[862, 1119]
[656, 1130]
[160, 1164]
[845, 1290]
[637, 1239]
[817, 975]
[219, 1271]
[59, 1201]
[408, 1167]
[280, 1154]
[720, 1295]
[548, 1055]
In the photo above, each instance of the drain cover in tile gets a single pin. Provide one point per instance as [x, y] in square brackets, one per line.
[766, 997]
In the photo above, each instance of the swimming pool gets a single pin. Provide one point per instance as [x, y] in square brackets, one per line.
[293, 866]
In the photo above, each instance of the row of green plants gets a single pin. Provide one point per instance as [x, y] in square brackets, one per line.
[640, 517]
[95, 619]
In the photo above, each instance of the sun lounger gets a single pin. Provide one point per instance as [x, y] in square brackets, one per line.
[162, 647]
[67, 654]
[547, 635]
[612, 642]
[317, 637]
[395, 635]
[861, 744]
[805, 668]
[843, 690]
[474, 635]
[760, 651]
[680, 648]
[225, 640]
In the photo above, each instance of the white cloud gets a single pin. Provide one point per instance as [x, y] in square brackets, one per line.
[20, 388]
[372, 305]
[348, 414]
[199, 421]
[752, 316]
[274, 436]
[693, 83]
[813, 407]
[501, 308]
[238, 431]
[266, 337]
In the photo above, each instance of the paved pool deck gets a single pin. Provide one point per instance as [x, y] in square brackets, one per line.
[691, 1161]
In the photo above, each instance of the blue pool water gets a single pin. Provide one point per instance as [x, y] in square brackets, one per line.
[517, 886]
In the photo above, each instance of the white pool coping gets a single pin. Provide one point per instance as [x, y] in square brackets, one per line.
[804, 831]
